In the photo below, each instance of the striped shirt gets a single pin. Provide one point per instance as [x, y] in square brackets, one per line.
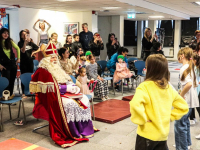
[92, 71]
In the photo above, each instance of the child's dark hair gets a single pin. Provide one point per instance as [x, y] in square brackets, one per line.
[156, 45]
[75, 35]
[80, 70]
[61, 51]
[196, 57]
[90, 57]
[67, 37]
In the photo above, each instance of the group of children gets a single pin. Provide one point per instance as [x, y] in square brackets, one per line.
[151, 106]
[90, 71]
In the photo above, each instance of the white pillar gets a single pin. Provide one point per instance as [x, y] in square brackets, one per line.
[177, 37]
[94, 23]
[152, 25]
[139, 38]
[117, 27]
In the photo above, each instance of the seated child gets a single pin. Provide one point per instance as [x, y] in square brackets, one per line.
[76, 45]
[87, 54]
[121, 71]
[82, 78]
[101, 87]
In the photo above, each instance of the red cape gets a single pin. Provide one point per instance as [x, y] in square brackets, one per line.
[48, 106]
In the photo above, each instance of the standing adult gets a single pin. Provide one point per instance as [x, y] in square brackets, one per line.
[55, 37]
[43, 36]
[147, 42]
[96, 45]
[68, 45]
[8, 65]
[85, 37]
[112, 45]
[197, 38]
[26, 49]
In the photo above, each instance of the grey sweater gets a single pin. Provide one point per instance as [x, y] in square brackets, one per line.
[92, 71]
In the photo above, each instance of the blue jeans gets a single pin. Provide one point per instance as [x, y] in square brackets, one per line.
[182, 132]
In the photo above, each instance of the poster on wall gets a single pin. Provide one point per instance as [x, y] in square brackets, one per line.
[70, 28]
[4, 22]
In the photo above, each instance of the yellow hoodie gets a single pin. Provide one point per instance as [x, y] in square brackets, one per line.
[153, 103]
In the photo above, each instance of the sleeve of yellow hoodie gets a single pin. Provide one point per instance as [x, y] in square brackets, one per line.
[180, 107]
[138, 114]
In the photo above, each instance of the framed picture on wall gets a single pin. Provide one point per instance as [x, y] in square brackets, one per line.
[4, 22]
[70, 28]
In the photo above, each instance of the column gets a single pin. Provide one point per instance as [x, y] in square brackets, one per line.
[139, 38]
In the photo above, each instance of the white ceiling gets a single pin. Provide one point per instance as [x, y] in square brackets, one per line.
[170, 9]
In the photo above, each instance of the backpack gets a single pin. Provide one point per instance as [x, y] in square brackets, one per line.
[132, 66]
[99, 70]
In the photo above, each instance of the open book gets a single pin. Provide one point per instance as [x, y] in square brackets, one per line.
[74, 96]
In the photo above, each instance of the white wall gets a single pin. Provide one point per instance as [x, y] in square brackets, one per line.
[28, 16]
[14, 24]
[111, 24]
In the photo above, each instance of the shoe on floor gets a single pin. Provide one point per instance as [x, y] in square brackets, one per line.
[192, 122]
[175, 146]
[106, 97]
[103, 99]
[197, 137]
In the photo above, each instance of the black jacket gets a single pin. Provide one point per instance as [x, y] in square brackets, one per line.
[95, 48]
[5, 61]
[112, 49]
[75, 47]
[153, 51]
[146, 45]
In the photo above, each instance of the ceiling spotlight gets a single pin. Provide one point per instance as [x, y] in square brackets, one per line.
[110, 8]
[66, 0]
[156, 16]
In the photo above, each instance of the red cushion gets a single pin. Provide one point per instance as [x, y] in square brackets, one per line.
[127, 98]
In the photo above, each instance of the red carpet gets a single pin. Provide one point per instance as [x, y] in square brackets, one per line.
[15, 144]
[112, 111]
[127, 98]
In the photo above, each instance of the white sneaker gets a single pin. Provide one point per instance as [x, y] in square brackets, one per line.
[106, 97]
[175, 146]
[197, 137]
[192, 122]
[195, 120]
[103, 99]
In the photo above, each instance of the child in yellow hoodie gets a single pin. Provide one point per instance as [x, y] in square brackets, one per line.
[151, 106]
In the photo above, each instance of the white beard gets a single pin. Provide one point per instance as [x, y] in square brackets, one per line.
[55, 69]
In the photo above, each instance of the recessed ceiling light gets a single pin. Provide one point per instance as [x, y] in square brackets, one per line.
[197, 3]
[66, 0]
[110, 7]
[156, 16]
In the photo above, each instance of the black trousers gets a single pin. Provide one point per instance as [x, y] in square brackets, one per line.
[10, 74]
[146, 144]
[146, 54]
[26, 67]
[192, 116]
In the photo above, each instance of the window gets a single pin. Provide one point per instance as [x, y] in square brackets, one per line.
[168, 26]
[130, 33]
[188, 27]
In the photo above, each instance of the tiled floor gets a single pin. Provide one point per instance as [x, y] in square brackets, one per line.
[118, 136]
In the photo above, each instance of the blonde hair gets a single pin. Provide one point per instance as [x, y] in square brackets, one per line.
[188, 53]
[85, 24]
[145, 33]
[54, 34]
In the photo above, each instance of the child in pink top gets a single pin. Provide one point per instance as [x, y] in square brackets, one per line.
[121, 71]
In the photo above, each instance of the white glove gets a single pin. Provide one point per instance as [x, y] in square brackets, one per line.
[72, 88]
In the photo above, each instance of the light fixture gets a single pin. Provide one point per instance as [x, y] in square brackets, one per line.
[198, 3]
[106, 8]
[66, 0]
[156, 16]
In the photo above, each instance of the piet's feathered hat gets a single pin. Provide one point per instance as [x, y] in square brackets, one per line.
[49, 49]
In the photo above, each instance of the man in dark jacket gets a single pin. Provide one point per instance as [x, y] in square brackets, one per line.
[85, 37]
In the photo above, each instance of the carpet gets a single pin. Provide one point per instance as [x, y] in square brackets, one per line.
[112, 111]
[15, 144]
[127, 98]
